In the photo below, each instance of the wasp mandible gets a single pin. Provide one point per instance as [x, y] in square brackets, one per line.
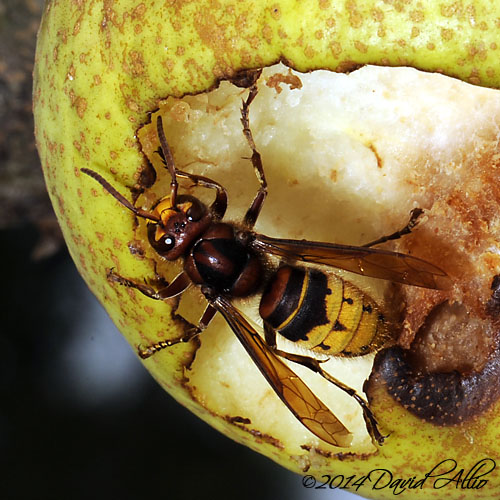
[306, 304]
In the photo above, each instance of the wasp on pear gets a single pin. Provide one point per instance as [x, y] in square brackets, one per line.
[308, 305]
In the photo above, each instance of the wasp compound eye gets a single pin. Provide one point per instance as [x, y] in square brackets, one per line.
[191, 206]
[195, 212]
[159, 240]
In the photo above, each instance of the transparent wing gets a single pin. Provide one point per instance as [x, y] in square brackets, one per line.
[301, 401]
[373, 262]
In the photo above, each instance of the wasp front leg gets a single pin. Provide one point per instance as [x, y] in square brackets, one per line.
[178, 285]
[315, 365]
[219, 205]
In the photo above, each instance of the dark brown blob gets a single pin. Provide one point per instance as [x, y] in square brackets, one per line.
[245, 78]
[493, 305]
[147, 176]
[441, 398]
[239, 420]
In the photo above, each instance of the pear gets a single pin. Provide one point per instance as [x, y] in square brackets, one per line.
[347, 157]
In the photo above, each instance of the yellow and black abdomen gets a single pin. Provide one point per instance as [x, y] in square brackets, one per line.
[322, 312]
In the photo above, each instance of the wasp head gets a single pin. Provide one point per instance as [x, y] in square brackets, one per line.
[179, 226]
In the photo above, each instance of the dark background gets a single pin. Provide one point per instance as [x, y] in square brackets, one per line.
[79, 415]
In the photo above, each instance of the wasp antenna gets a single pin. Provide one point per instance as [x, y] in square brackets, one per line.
[169, 160]
[115, 194]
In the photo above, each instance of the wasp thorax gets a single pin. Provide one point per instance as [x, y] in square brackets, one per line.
[179, 226]
[222, 263]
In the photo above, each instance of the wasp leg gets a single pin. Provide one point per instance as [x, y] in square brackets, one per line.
[180, 283]
[148, 351]
[314, 365]
[256, 206]
[414, 215]
[219, 206]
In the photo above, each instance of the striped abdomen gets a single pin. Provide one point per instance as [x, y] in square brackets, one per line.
[322, 312]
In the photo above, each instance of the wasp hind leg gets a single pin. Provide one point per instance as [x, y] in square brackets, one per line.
[315, 365]
[414, 216]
